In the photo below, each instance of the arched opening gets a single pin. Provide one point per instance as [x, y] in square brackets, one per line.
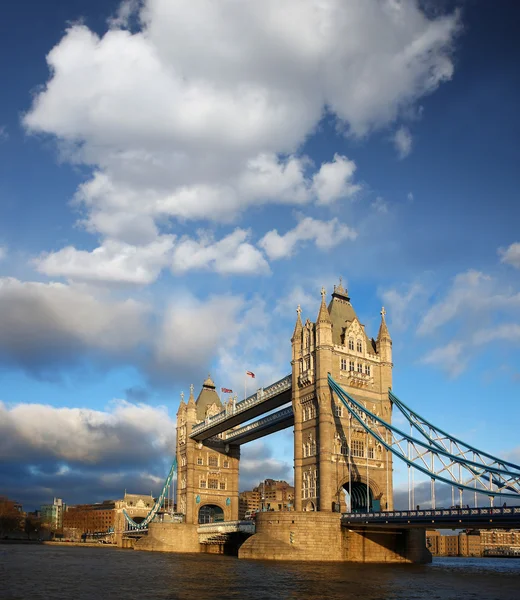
[138, 519]
[309, 506]
[210, 513]
[358, 497]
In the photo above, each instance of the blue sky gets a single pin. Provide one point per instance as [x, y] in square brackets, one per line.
[175, 177]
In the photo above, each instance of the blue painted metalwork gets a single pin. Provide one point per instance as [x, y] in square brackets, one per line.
[506, 480]
[158, 503]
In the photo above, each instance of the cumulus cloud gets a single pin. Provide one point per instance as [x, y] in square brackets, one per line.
[325, 234]
[257, 463]
[192, 328]
[112, 262]
[403, 141]
[44, 324]
[334, 180]
[200, 112]
[83, 455]
[511, 255]
[230, 255]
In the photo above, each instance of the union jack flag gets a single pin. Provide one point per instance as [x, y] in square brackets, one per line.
[226, 391]
[250, 373]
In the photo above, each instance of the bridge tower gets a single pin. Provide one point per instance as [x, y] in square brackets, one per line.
[337, 465]
[207, 472]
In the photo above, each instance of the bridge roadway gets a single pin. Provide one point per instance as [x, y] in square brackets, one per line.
[259, 403]
[442, 518]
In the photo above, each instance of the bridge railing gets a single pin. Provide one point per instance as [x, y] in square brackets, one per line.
[460, 513]
[259, 396]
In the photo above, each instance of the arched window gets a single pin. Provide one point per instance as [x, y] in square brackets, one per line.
[350, 344]
[360, 367]
[359, 346]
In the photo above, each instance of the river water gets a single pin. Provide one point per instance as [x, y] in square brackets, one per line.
[76, 573]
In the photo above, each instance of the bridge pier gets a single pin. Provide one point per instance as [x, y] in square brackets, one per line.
[319, 536]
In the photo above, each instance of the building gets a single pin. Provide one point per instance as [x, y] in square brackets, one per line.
[270, 494]
[473, 542]
[87, 519]
[52, 514]
[350, 470]
[491, 539]
[207, 473]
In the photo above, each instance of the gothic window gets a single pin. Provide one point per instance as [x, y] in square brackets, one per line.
[344, 447]
[202, 483]
[351, 365]
[183, 482]
[360, 367]
[338, 410]
[222, 485]
[308, 362]
[213, 484]
[359, 346]
[358, 448]
[183, 460]
[370, 452]
[367, 369]
[309, 484]
[225, 464]
[213, 461]
[343, 364]
[350, 344]
[200, 461]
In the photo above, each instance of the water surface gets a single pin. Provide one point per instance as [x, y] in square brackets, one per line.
[76, 573]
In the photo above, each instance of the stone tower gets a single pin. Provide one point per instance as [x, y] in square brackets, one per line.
[207, 472]
[337, 465]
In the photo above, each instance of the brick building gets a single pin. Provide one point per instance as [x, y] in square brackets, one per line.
[270, 494]
[89, 518]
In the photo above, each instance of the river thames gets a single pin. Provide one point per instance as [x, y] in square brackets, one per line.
[75, 573]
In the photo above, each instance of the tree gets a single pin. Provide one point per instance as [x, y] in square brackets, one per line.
[10, 517]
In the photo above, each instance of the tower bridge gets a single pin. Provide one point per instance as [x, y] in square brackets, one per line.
[339, 399]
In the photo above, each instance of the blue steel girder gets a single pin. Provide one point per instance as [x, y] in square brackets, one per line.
[430, 458]
[158, 503]
[259, 403]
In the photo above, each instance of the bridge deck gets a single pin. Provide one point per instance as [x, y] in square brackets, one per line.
[263, 401]
[452, 518]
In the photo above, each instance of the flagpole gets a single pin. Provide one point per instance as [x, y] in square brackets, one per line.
[245, 386]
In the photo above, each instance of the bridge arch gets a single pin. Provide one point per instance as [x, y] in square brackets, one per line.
[356, 492]
[210, 513]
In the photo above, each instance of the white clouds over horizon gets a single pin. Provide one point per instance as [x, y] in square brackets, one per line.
[228, 117]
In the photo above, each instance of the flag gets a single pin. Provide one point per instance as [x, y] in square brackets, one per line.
[250, 373]
[226, 391]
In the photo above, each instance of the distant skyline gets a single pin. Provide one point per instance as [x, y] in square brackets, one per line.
[176, 177]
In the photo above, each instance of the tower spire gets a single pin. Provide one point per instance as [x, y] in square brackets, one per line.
[383, 329]
[298, 327]
[191, 399]
[323, 315]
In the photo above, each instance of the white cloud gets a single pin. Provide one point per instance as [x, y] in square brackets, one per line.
[325, 234]
[410, 197]
[403, 141]
[126, 10]
[125, 434]
[509, 332]
[112, 262]
[449, 357]
[42, 324]
[380, 205]
[399, 303]
[188, 117]
[511, 255]
[230, 255]
[334, 180]
[194, 329]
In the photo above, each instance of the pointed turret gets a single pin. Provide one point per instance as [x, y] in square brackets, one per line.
[298, 327]
[383, 334]
[384, 349]
[191, 399]
[323, 315]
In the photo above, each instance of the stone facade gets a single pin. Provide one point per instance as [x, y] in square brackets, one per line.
[207, 480]
[332, 454]
[318, 536]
